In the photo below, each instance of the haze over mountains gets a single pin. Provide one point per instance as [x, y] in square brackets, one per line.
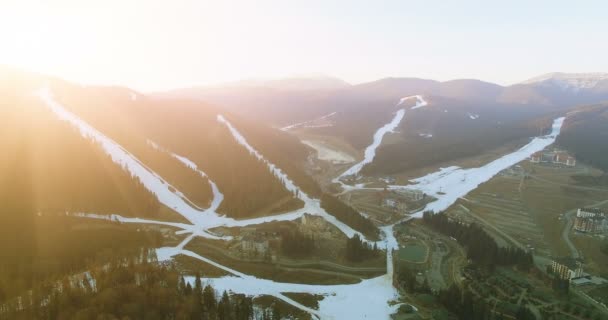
[465, 117]
[182, 141]
[555, 90]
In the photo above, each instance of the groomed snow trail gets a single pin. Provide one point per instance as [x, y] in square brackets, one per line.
[365, 300]
[339, 299]
[370, 151]
[303, 124]
[450, 184]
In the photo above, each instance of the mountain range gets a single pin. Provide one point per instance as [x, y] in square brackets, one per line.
[464, 118]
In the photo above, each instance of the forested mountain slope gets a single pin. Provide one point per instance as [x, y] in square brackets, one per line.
[188, 129]
[49, 169]
[464, 117]
[585, 134]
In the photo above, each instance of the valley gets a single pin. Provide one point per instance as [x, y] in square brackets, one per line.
[311, 251]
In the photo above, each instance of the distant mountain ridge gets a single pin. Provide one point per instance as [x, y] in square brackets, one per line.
[286, 101]
[465, 117]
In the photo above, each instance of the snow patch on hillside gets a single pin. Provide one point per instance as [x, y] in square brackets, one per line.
[370, 151]
[449, 184]
[307, 124]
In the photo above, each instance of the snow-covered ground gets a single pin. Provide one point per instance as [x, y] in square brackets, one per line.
[326, 153]
[368, 299]
[370, 151]
[339, 298]
[306, 124]
[449, 184]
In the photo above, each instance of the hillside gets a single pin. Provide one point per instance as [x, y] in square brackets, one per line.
[188, 129]
[465, 117]
[586, 135]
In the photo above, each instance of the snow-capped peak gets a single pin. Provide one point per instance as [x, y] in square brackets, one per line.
[575, 81]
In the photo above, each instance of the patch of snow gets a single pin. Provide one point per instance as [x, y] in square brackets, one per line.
[326, 153]
[312, 206]
[367, 299]
[425, 135]
[305, 123]
[449, 184]
[473, 116]
[370, 151]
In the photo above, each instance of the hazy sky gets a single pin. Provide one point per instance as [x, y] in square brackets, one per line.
[151, 45]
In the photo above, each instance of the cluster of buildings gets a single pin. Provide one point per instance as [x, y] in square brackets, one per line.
[590, 221]
[554, 156]
[397, 200]
[572, 270]
[567, 268]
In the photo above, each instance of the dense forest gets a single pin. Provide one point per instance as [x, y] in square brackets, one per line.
[585, 134]
[464, 306]
[34, 249]
[189, 129]
[296, 244]
[455, 136]
[63, 171]
[481, 248]
[282, 149]
[349, 215]
[357, 250]
[133, 291]
[406, 280]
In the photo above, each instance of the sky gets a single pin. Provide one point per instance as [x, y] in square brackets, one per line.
[154, 45]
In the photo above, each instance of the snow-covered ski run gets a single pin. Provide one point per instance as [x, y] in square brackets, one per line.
[370, 151]
[369, 299]
[305, 123]
[337, 297]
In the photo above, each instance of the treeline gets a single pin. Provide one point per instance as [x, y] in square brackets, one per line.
[406, 280]
[284, 150]
[349, 216]
[357, 250]
[296, 244]
[48, 248]
[465, 306]
[481, 247]
[135, 291]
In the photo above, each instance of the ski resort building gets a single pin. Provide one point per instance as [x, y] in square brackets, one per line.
[555, 156]
[590, 221]
[567, 268]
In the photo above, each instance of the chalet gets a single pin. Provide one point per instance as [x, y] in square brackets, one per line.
[567, 268]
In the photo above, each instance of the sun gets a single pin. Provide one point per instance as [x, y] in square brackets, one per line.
[39, 40]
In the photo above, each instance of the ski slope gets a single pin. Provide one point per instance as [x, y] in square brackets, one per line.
[370, 151]
[338, 297]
